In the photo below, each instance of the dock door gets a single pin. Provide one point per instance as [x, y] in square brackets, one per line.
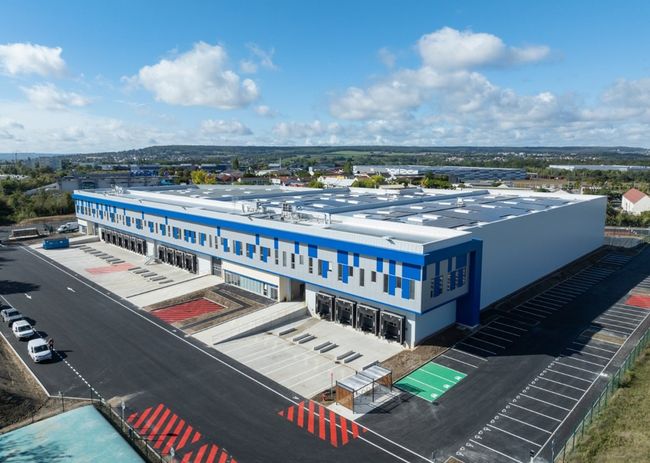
[344, 311]
[392, 327]
[325, 306]
[367, 319]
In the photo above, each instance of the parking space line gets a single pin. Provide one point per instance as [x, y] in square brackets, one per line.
[593, 347]
[581, 360]
[553, 298]
[542, 305]
[502, 331]
[626, 315]
[514, 435]
[614, 321]
[598, 340]
[606, 327]
[529, 313]
[302, 358]
[561, 384]
[543, 401]
[459, 361]
[495, 451]
[479, 348]
[523, 422]
[553, 392]
[529, 324]
[587, 353]
[567, 374]
[510, 326]
[474, 338]
[571, 366]
[494, 336]
[467, 353]
[537, 413]
[532, 307]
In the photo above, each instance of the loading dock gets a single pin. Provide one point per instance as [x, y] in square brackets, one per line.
[325, 306]
[392, 327]
[344, 311]
[367, 319]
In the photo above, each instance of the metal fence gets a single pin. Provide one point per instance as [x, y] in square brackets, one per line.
[137, 441]
[601, 401]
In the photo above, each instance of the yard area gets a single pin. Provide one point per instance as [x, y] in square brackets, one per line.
[620, 433]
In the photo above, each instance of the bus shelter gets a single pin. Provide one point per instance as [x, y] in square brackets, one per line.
[363, 386]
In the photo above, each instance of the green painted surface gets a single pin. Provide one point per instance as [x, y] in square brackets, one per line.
[430, 381]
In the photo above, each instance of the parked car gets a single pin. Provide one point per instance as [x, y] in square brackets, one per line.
[10, 315]
[38, 350]
[68, 227]
[22, 329]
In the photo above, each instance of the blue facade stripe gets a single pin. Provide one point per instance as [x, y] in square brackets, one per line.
[312, 250]
[380, 264]
[257, 239]
[276, 243]
[296, 247]
[461, 261]
[391, 267]
[392, 280]
[355, 259]
[406, 289]
[289, 236]
[342, 257]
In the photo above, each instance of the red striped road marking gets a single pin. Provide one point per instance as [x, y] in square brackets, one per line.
[151, 419]
[154, 430]
[200, 453]
[321, 421]
[175, 435]
[186, 436]
[224, 457]
[197, 436]
[165, 432]
[212, 454]
[333, 430]
[186, 458]
[339, 432]
[142, 418]
[131, 418]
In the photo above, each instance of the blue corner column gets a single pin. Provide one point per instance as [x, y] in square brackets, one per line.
[468, 307]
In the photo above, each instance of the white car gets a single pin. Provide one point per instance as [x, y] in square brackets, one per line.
[10, 315]
[68, 227]
[38, 350]
[22, 329]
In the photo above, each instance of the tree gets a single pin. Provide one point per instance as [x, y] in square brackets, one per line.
[235, 164]
[315, 184]
[347, 167]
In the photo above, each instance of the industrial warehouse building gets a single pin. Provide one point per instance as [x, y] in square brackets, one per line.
[400, 264]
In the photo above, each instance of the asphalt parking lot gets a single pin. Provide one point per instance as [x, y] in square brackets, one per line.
[530, 371]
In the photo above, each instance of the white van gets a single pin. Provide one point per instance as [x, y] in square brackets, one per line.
[68, 227]
[38, 350]
[22, 329]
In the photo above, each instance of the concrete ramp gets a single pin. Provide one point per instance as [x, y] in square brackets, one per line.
[256, 322]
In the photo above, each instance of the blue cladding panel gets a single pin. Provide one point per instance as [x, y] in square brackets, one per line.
[391, 284]
[461, 261]
[163, 230]
[342, 257]
[276, 243]
[296, 247]
[406, 289]
[202, 239]
[380, 264]
[264, 254]
[324, 268]
[238, 248]
[449, 265]
[312, 250]
[391, 267]
[411, 271]
[424, 273]
[344, 273]
[257, 239]
[225, 245]
[355, 260]
[128, 221]
[218, 231]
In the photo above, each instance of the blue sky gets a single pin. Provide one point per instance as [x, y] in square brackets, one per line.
[93, 76]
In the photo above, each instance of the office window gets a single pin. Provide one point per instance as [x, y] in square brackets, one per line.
[293, 260]
[373, 276]
[362, 277]
[250, 250]
[156, 228]
[210, 240]
[311, 265]
[385, 283]
[340, 272]
[350, 271]
[284, 258]
[277, 260]
[398, 282]
[411, 289]
[302, 260]
[320, 267]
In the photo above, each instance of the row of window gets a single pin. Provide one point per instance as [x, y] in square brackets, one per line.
[448, 282]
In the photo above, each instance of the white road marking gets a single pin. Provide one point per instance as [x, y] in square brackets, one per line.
[28, 296]
[467, 353]
[533, 411]
[226, 364]
[593, 347]
[474, 347]
[474, 338]
[616, 322]
[529, 313]
[562, 384]
[552, 392]
[557, 362]
[544, 401]
[495, 451]
[567, 374]
[502, 331]
[514, 435]
[587, 353]
[494, 336]
[510, 326]
[70, 289]
[459, 361]
[523, 422]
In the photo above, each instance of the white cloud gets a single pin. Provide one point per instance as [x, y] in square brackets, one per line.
[199, 77]
[27, 58]
[449, 48]
[265, 57]
[386, 57]
[247, 66]
[9, 128]
[304, 130]
[47, 96]
[265, 111]
[232, 127]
